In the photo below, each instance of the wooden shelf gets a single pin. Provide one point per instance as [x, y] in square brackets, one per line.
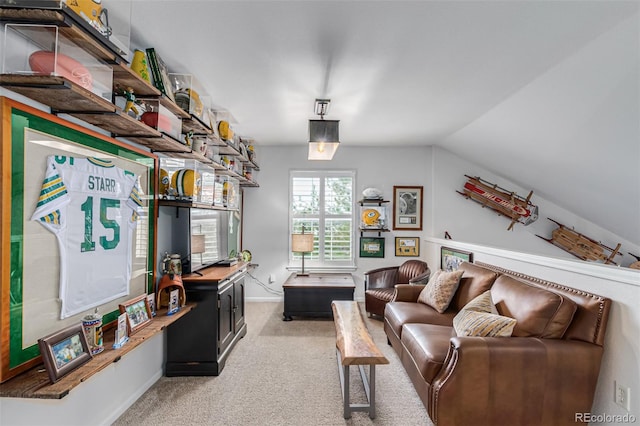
[66, 97]
[35, 382]
[119, 124]
[191, 123]
[124, 77]
[163, 144]
[59, 93]
[189, 205]
[372, 201]
[70, 25]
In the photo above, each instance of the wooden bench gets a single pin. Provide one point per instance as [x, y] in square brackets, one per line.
[354, 346]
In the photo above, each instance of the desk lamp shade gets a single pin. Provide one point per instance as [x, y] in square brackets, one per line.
[302, 243]
[323, 139]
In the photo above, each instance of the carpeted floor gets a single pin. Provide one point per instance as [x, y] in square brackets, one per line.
[280, 373]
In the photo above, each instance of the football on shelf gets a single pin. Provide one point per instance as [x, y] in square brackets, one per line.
[46, 62]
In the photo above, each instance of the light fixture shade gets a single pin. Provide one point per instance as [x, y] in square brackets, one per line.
[302, 243]
[323, 139]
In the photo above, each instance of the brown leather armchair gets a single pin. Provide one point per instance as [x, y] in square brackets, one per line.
[379, 284]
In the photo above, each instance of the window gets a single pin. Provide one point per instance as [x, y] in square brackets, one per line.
[322, 201]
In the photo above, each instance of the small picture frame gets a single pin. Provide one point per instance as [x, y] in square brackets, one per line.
[407, 208]
[64, 351]
[152, 303]
[121, 332]
[138, 312]
[450, 259]
[408, 246]
[174, 302]
[372, 247]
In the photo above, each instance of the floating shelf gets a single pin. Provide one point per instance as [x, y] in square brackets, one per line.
[59, 93]
[35, 383]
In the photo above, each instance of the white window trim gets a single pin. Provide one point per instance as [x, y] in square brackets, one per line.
[296, 265]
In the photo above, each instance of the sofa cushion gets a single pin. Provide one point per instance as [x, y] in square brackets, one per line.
[475, 281]
[427, 345]
[440, 289]
[539, 312]
[397, 314]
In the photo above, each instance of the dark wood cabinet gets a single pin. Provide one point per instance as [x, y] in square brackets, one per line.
[200, 343]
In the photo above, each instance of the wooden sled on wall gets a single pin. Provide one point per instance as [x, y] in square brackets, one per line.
[504, 202]
[581, 246]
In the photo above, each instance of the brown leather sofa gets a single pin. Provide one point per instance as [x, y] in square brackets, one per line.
[379, 284]
[543, 374]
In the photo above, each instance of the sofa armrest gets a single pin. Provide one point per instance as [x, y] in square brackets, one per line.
[423, 278]
[381, 278]
[486, 380]
[407, 292]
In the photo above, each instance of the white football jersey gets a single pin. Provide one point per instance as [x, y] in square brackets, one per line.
[92, 207]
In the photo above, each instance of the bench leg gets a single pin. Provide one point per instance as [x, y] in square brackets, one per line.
[369, 388]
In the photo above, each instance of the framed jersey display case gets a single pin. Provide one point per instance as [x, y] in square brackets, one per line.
[78, 220]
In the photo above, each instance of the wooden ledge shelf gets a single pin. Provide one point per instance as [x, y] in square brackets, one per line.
[35, 382]
[57, 92]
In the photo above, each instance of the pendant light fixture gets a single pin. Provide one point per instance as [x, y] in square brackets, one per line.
[323, 134]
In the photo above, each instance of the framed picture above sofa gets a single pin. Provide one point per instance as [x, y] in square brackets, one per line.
[451, 258]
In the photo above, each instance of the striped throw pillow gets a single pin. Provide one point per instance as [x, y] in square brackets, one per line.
[480, 318]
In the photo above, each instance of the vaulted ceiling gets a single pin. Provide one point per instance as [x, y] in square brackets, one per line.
[544, 93]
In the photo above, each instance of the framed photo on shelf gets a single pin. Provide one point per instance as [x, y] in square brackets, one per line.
[408, 246]
[138, 312]
[121, 332]
[451, 258]
[174, 304]
[151, 297]
[407, 208]
[64, 351]
[372, 247]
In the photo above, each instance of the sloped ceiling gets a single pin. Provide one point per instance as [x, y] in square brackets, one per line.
[543, 93]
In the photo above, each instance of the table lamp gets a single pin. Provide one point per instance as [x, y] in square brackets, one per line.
[302, 243]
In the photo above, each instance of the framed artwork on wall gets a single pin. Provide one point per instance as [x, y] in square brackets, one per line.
[451, 258]
[31, 293]
[372, 247]
[407, 208]
[408, 246]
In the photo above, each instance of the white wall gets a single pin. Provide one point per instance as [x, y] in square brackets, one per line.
[266, 209]
[100, 400]
[468, 221]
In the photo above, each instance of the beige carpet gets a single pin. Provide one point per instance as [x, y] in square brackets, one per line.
[280, 373]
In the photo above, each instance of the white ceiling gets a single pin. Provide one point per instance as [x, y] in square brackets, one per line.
[543, 93]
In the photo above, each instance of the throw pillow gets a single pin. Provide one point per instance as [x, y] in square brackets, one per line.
[440, 289]
[480, 318]
[482, 303]
[482, 324]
